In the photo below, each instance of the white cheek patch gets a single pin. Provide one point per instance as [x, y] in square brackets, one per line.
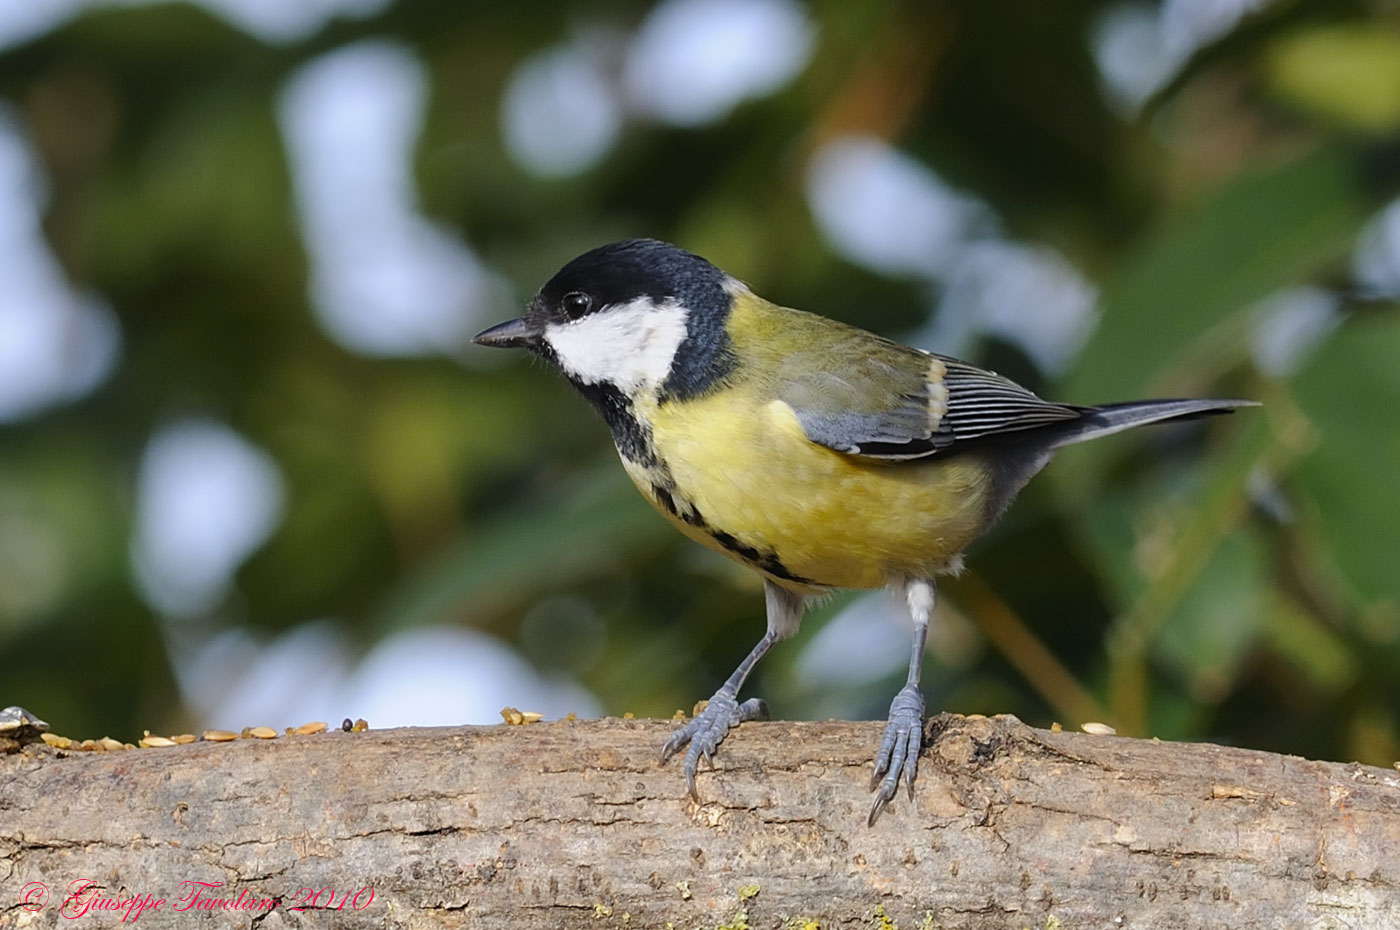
[631, 345]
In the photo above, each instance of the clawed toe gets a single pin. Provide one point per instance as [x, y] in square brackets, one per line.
[899, 750]
[707, 730]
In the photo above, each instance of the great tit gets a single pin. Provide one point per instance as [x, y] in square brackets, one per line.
[820, 455]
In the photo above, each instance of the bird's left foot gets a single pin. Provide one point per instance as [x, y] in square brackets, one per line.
[899, 750]
[705, 732]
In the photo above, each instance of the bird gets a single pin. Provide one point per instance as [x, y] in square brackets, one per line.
[818, 454]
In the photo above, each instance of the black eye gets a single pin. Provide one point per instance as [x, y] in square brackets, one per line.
[576, 304]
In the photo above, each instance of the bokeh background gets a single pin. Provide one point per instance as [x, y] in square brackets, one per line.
[253, 472]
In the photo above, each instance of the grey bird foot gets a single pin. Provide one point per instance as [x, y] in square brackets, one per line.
[707, 731]
[899, 750]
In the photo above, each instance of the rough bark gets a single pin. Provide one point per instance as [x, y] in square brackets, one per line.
[575, 824]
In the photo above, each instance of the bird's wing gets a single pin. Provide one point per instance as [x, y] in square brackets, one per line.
[881, 400]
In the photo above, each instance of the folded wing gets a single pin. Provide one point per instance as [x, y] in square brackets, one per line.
[882, 400]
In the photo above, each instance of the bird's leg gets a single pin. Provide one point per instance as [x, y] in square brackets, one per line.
[899, 750]
[708, 728]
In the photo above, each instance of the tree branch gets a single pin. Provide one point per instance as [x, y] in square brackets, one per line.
[574, 823]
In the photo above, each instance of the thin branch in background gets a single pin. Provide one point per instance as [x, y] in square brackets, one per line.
[1024, 650]
[1272, 444]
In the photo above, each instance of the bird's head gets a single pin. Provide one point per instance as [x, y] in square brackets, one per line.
[638, 315]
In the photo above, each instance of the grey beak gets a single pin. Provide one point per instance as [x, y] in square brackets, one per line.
[512, 334]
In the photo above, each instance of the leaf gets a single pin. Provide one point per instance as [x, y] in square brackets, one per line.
[583, 525]
[1178, 310]
[1219, 619]
[1347, 72]
[1350, 389]
[1200, 275]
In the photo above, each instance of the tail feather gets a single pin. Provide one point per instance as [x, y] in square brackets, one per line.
[1114, 418]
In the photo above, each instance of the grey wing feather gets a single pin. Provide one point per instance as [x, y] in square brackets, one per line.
[894, 403]
[983, 403]
[864, 399]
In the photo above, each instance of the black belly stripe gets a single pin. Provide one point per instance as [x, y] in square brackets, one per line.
[663, 491]
[764, 561]
[663, 487]
[664, 498]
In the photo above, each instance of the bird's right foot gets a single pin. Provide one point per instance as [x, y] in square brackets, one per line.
[707, 730]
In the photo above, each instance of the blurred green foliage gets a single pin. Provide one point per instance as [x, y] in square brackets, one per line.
[1229, 582]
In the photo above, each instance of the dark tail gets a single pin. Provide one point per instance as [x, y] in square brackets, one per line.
[1113, 418]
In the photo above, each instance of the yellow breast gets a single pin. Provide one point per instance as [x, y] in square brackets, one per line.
[747, 482]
